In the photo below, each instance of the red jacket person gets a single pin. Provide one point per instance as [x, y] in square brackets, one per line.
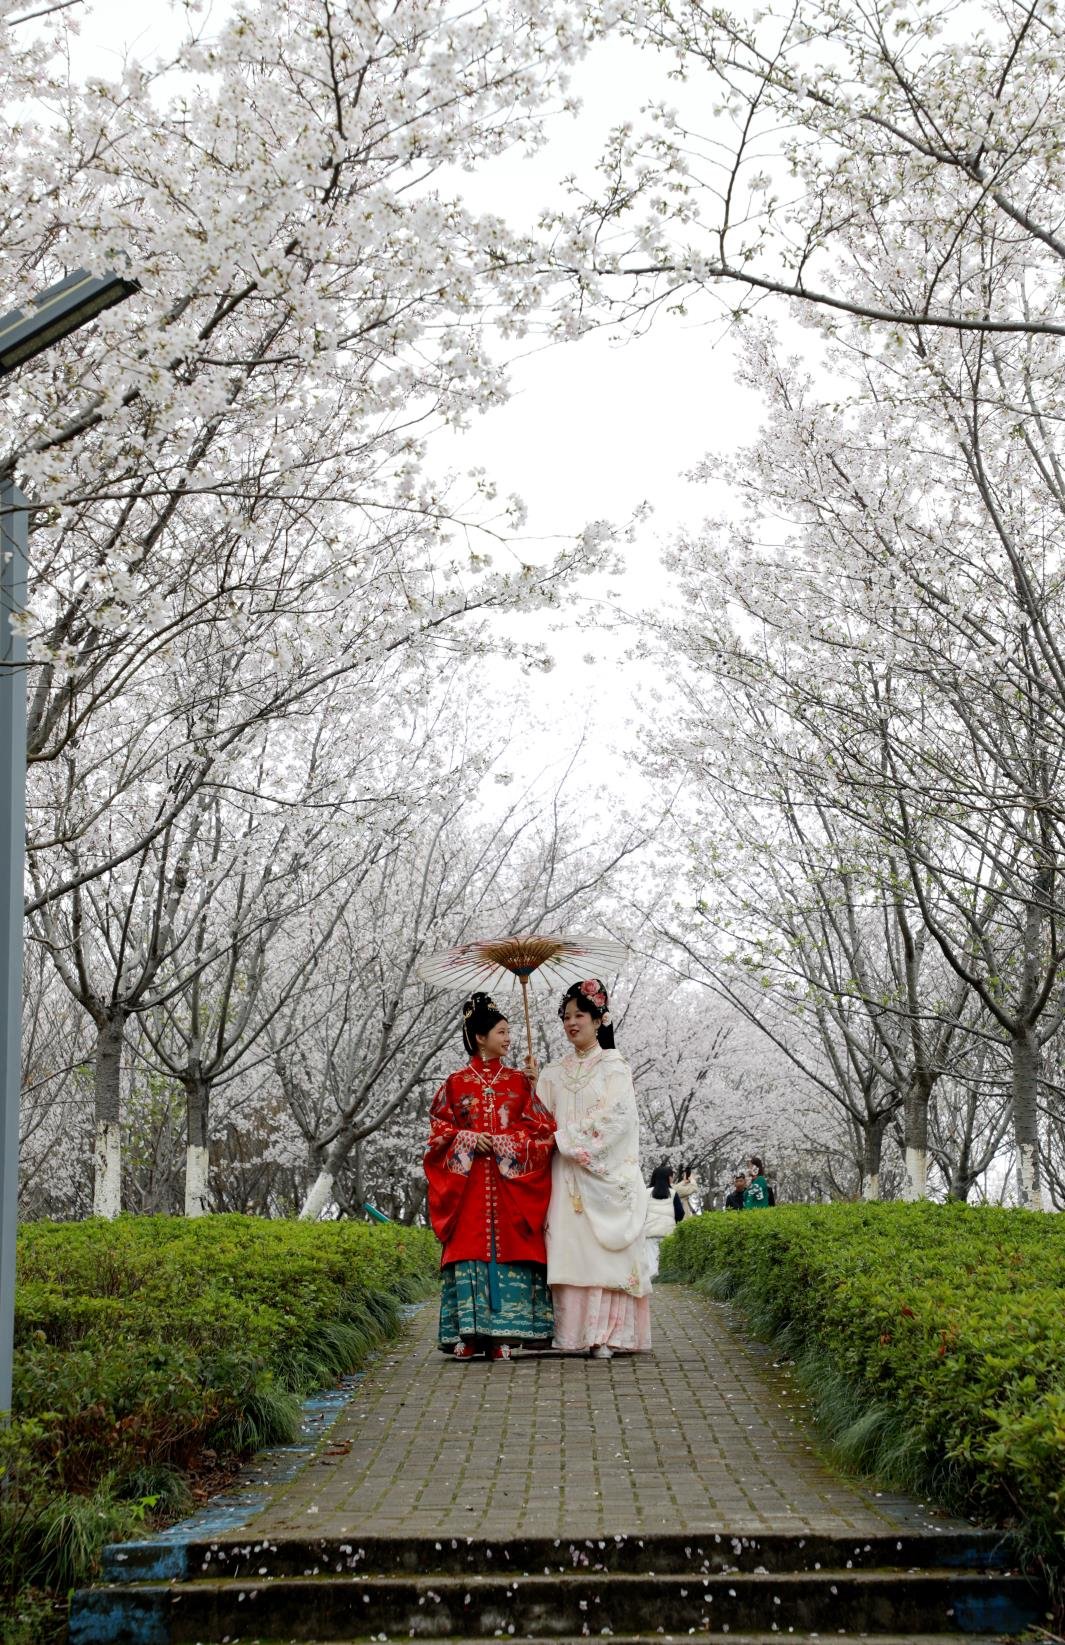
[488, 1166]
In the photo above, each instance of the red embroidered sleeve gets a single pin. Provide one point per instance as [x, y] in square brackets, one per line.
[524, 1147]
[450, 1140]
[449, 1157]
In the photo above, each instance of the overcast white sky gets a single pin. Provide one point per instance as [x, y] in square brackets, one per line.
[596, 428]
[593, 429]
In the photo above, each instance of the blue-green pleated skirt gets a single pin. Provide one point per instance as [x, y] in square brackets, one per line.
[497, 1302]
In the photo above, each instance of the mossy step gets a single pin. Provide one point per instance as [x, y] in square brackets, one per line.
[577, 1604]
[694, 1553]
[795, 1637]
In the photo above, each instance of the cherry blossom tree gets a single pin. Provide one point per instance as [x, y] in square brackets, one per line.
[887, 668]
[853, 158]
[378, 1049]
[704, 1093]
[55, 1112]
[237, 459]
[204, 1033]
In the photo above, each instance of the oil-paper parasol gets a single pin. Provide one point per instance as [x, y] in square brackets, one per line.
[542, 963]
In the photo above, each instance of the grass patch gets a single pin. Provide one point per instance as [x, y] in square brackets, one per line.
[152, 1351]
[930, 1340]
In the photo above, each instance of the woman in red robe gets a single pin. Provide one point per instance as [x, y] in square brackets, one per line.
[488, 1166]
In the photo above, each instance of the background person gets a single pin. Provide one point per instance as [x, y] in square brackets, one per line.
[756, 1196]
[596, 1250]
[488, 1167]
[661, 1214]
[684, 1192]
[734, 1200]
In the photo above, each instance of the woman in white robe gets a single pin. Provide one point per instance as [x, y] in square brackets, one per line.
[597, 1260]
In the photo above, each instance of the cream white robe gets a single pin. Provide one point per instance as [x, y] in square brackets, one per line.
[598, 1200]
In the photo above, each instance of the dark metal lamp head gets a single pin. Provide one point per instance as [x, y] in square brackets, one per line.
[58, 311]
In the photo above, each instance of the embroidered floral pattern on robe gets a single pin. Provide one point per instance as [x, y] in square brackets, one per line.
[488, 1209]
[595, 1234]
[485, 1206]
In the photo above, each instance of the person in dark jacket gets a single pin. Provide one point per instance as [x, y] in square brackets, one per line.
[734, 1201]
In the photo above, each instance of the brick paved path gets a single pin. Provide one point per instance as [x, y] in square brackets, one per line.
[704, 1436]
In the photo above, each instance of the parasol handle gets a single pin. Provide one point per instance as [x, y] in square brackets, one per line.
[528, 1020]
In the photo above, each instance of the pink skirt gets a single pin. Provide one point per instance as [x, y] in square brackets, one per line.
[586, 1316]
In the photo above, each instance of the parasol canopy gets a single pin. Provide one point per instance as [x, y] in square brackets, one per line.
[543, 963]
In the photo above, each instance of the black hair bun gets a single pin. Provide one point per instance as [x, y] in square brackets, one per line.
[480, 1013]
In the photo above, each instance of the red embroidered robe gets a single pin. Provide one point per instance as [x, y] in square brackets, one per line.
[486, 1207]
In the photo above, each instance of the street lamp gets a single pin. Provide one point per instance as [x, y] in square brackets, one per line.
[57, 312]
[23, 333]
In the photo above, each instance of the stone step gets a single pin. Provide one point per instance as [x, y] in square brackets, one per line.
[160, 1559]
[794, 1637]
[659, 1638]
[575, 1603]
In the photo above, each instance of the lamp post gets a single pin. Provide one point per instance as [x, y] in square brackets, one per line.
[12, 860]
[24, 333]
[57, 312]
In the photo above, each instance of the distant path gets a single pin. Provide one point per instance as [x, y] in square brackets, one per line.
[704, 1436]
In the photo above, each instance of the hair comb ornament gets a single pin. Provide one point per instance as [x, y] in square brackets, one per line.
[478, 1002]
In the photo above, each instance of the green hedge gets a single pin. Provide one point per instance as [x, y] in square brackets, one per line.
[151, 1349]
[931, 1339]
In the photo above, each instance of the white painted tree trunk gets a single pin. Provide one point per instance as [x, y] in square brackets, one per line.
[107, 1144]
[197, 1165]
[872, 1153]
[916, 1174]
[915, 1134]
[319, 1198]
[1029, 1188]
[107, 1169]
[1027, 1075]
[197, 1156]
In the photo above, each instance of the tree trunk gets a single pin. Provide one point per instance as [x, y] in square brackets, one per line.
[873, 1148]
[417, 1194]
[320, 1196]
[107, 1143]
[197, 1157]
[1027, 1074]
[915, 1123]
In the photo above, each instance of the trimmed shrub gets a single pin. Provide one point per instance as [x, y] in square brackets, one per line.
[931, 1339]
[151, 1348]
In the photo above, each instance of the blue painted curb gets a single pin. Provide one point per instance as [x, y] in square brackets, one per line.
[164, 1556]
[997, 1614]
[107, 1616]
[149, 1561]
[102, 1616]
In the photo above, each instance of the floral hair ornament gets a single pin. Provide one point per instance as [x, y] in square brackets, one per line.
[593, 990]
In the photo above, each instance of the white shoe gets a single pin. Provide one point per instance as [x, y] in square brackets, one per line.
[602, 1352]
